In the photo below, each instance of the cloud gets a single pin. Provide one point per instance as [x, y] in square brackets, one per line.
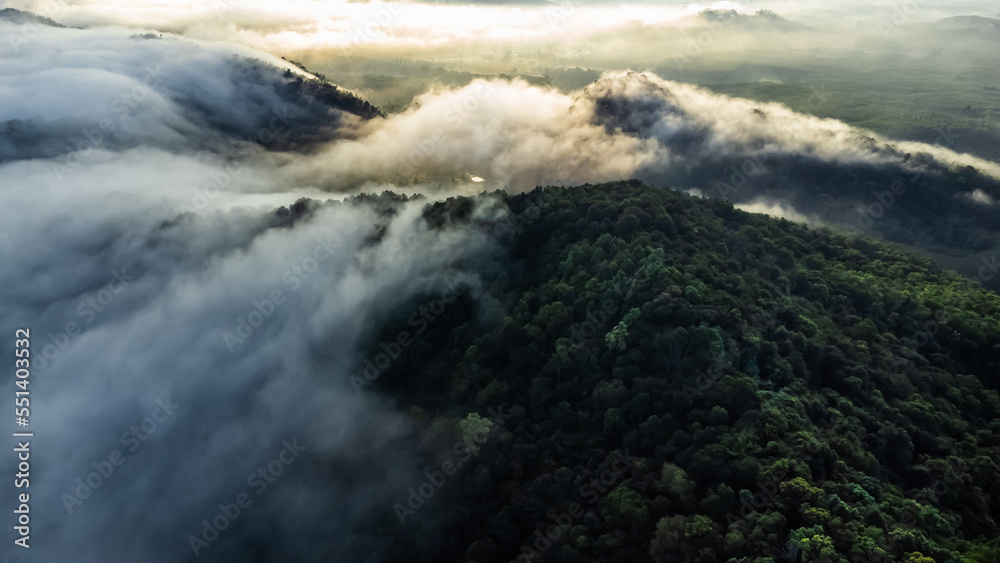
[141, 269]
[515, 136]
[979, 196]
[196, 103]
[748, 151]
[507, 133]
[163, 335]
[169, 93]
[782, 210]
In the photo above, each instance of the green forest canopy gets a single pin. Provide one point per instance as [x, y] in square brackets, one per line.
[778, 391]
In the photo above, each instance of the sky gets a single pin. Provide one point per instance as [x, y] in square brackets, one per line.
[299, 25]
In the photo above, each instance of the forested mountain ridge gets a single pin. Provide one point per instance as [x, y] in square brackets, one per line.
[279, 110]
[778, 393]
[22, 17]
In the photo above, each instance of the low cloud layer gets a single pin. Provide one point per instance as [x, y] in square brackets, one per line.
[185, 332]
[514, 136]
[252, 330]
[510, 134]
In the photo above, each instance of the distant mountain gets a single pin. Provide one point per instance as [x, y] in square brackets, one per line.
[324, 105]
[335, 97]
[762, 21]
[977, 23]
[20, 17]
[901, 192]
[292, 111]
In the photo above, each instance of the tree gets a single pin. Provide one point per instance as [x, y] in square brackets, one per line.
[615, 339]
[474, 430]
[625, 507]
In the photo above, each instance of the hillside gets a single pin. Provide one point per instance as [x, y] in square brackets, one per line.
[275, 108]
[24, 18]
[966, 23]
[747, 389]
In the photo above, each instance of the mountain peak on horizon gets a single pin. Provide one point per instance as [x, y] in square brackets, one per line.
[758, 21]
[965, 22]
